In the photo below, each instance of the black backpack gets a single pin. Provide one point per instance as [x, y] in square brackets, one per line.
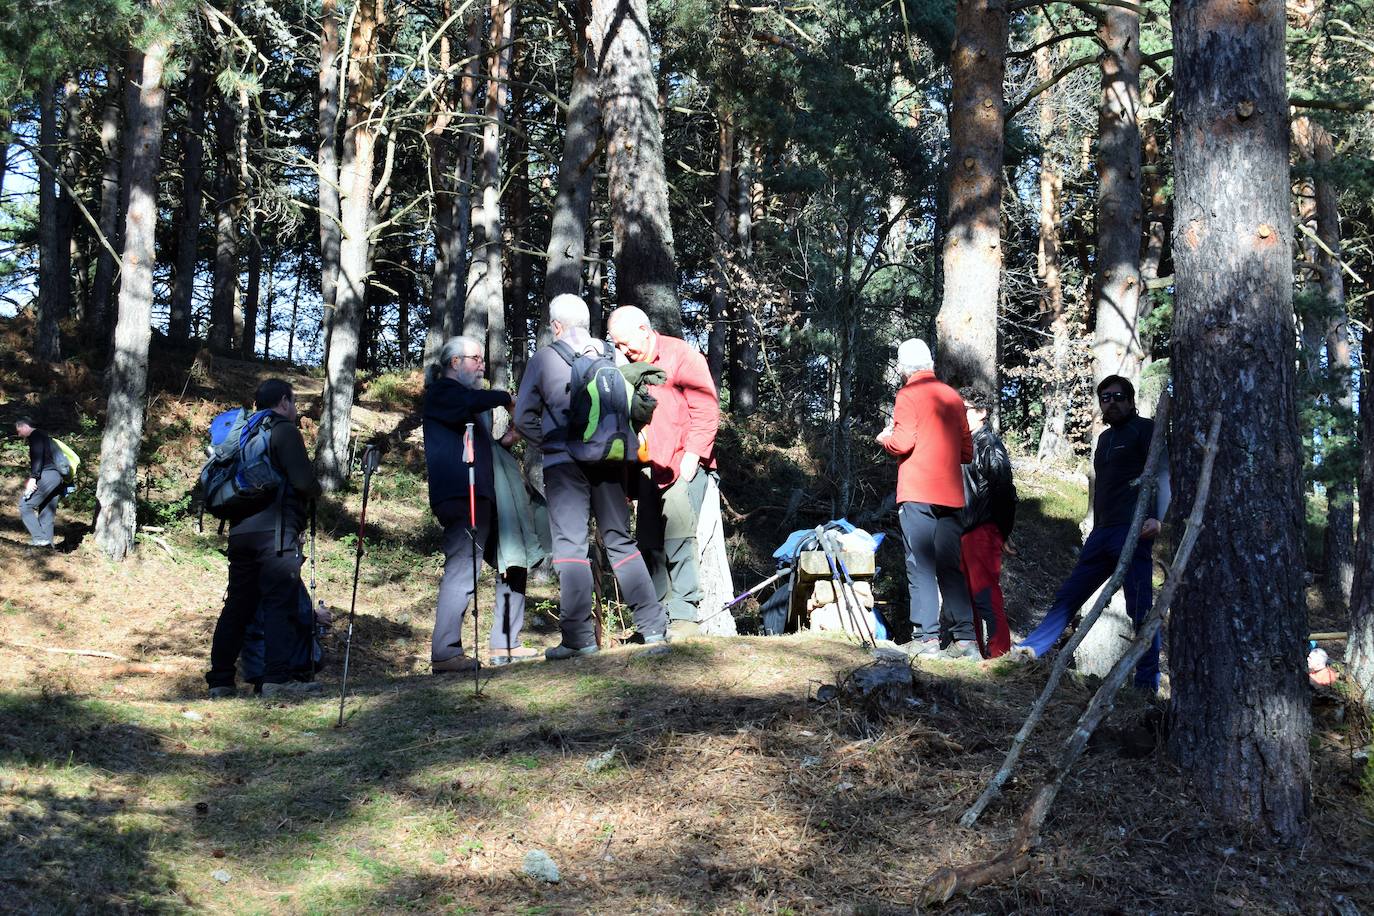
[598, 426]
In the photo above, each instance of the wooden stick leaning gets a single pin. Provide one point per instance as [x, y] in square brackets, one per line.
[1148, 478]
[947, 882]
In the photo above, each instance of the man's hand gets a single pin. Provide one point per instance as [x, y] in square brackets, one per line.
[1149, 529]
[29, 487]
[1009, 550]
[510, 437]
[883, 436]
[688, 469]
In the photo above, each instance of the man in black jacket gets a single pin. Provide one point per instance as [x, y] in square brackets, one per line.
[987, 518]
[265, 560]
[453, 398]
[43, 489]
[1118, 463]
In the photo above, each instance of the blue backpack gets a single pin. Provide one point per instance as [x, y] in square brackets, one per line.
[239, 480]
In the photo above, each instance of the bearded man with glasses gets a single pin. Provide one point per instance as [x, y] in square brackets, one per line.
[1118, 462]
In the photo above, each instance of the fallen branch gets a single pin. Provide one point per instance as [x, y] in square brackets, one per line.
[92, 653]
[947, 882]
[1061, 661]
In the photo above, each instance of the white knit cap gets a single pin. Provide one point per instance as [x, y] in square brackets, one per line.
[913, 356]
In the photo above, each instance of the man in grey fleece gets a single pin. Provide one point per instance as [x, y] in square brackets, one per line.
[578, 490]
[43, 489]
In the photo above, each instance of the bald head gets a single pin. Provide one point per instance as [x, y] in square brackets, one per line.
[632, 333]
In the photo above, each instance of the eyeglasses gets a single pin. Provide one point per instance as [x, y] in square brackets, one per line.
[478, 358]
[1107, 397]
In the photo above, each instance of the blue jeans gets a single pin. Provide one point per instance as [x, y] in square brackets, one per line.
[1095, 566]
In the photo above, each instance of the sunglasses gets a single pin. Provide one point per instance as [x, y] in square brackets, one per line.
[1107, 397]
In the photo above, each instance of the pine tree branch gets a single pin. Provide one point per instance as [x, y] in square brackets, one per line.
[55, 173]
[1053, 40]
[1049, 83]
[1350, 105]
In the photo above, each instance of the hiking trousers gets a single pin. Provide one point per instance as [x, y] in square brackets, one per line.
[667, 533]
[576, 493]
[39, 511]
[980, 555]
[1096, 563]
[259, 575]
[930, 536]
[456, 588]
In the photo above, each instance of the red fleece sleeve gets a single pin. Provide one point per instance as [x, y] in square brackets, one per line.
[703, 405]
[903, 438]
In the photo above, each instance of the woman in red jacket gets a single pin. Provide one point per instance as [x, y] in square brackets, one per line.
[929, 433]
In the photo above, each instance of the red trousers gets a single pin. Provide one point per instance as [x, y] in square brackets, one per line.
[981, 561]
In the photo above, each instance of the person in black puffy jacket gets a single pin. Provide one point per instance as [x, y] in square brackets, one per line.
[987, 518]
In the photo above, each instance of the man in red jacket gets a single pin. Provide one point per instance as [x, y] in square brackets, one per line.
[929, 433]
[681, 440]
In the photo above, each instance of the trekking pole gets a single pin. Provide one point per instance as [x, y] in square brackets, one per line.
[843, 600]
[470, 456]
[843, 568]
[312, 560]
[371, 458]
[786, 570]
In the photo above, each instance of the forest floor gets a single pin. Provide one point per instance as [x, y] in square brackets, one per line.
[709, 779]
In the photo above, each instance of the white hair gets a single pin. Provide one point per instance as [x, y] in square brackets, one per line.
[628, 316]
[570, 311]
[454, 346]
[913, 356]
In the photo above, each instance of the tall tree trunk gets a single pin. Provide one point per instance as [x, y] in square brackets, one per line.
[1117, 349]
[269, 300]
[1311, 315]
[1240, 715]
[453, 205]
[517, 225]
[485, 316]
[721, 242]
[248, 345]
[98, 311]
[117, 488]
[73, 109]
[355, 207]
[966, 325]
[443, 282]
[192, 187]
[4, 143]
[51, 307]
[1339, 552]
[744, 364]
[1359, 654]
[327, 161]
[572, 205]
[224, 306]
[295, 312]
[1055, 444]
[645, 267]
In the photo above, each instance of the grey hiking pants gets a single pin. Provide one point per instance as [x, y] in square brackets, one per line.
[576, 492]
[457, 586]
[667, 533]
[39, 510]
[930, 535]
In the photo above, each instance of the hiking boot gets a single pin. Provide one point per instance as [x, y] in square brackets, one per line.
[455, 665]
[682, 629]
[963, 650]
[223, 693]
[560, 652]
[922, 648]
[655, 645]
[516, 654]
[291, 689]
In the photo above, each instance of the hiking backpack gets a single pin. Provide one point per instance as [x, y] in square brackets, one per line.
[239, 479]
[598, 425]
[64, 459]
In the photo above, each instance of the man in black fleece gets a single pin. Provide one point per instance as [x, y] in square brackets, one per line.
[265, 559]
[1118, 462]
[43, 489]
[454, 397]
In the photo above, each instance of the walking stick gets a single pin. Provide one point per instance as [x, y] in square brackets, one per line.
[470, 456]
[838, 551]
[845, 603]
[757, 588]
[372, 457]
